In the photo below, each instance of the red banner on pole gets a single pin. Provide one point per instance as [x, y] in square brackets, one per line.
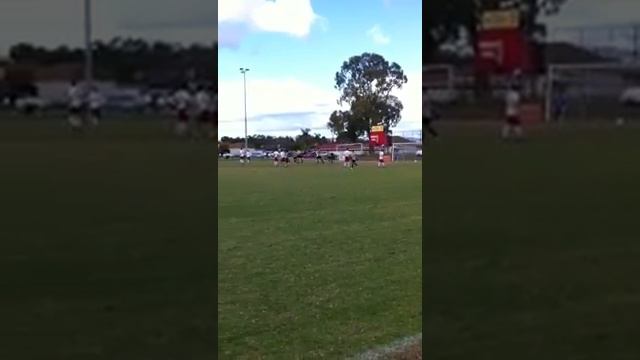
[502, 46]
[503, 51]
[377, 136]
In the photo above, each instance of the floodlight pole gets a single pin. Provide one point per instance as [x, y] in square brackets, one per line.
[88, 66]
[244, 76]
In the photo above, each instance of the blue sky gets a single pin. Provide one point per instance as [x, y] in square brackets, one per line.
[293, 49]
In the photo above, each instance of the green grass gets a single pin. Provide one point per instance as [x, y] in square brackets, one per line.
[317, 261]
[107, 243]
[531, 250]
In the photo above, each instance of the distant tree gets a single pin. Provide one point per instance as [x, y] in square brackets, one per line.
[365, 83]
[304, 141]
[129, 60]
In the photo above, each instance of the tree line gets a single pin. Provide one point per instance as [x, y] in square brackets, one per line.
[303, 141]
[129, 60]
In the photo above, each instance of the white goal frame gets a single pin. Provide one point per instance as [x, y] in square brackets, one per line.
[358, 148]
[553, 75]
[394, 154]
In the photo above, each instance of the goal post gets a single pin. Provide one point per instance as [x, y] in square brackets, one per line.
[592, 92]
[406, 151]
[438, 82]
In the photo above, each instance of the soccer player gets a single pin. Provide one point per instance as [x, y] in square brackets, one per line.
[203, 103]
[182, 100]
[75, 106]
[247, 155]
[319, 158]
[299, 157]
[331, 157]
[284, 158]
[512, 112]
[354, 160]
[96, 101]
[276, 157]
[428, 115]
[242, 155]
[381, 157]
[347, 158]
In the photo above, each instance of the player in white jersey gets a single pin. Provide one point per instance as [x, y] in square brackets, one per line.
[512, 114]
[275, 156]
[96, 101]
[284, 158]
[347, 158]
[182, 100]
[75, 98]
[242, 155]
[381, 158]
[247, 155]
[204, 105]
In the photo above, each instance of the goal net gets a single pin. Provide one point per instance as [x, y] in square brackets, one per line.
[593, 92]
[438, 83]
[355, 148]
[406, 151]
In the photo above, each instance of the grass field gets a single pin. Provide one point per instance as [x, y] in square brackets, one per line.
[317, 261]
[531, 250]
[107, 243]
[107, 248]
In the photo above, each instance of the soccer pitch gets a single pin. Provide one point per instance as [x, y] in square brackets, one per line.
[531, 250]
[106, 244]
[317, 261]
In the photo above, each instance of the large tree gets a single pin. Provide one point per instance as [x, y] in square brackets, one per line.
[365, 83]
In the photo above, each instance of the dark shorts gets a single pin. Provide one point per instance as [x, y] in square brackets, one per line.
[513, 120]
[347, 158]
[183, 115]
[96, 113]
[241, 157]
[75, 110]
[380, 160]
[205, 116]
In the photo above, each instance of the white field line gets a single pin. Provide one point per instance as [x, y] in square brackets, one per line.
[393, 348]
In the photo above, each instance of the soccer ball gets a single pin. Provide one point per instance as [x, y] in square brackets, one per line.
[619, 122]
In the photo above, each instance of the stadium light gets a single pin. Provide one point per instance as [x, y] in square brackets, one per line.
[244, 76]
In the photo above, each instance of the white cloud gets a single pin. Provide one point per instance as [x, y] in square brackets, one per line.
[292, 17]
[376, 34]
[274, 106]
[283, 106]
[411, 97]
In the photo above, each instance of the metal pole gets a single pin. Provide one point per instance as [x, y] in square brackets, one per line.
[244, 76]
[88, 69]
[635, 42]
[88, 53]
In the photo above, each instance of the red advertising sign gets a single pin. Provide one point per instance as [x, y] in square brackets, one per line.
[502, 46]
[377, 136]
[503, 51]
